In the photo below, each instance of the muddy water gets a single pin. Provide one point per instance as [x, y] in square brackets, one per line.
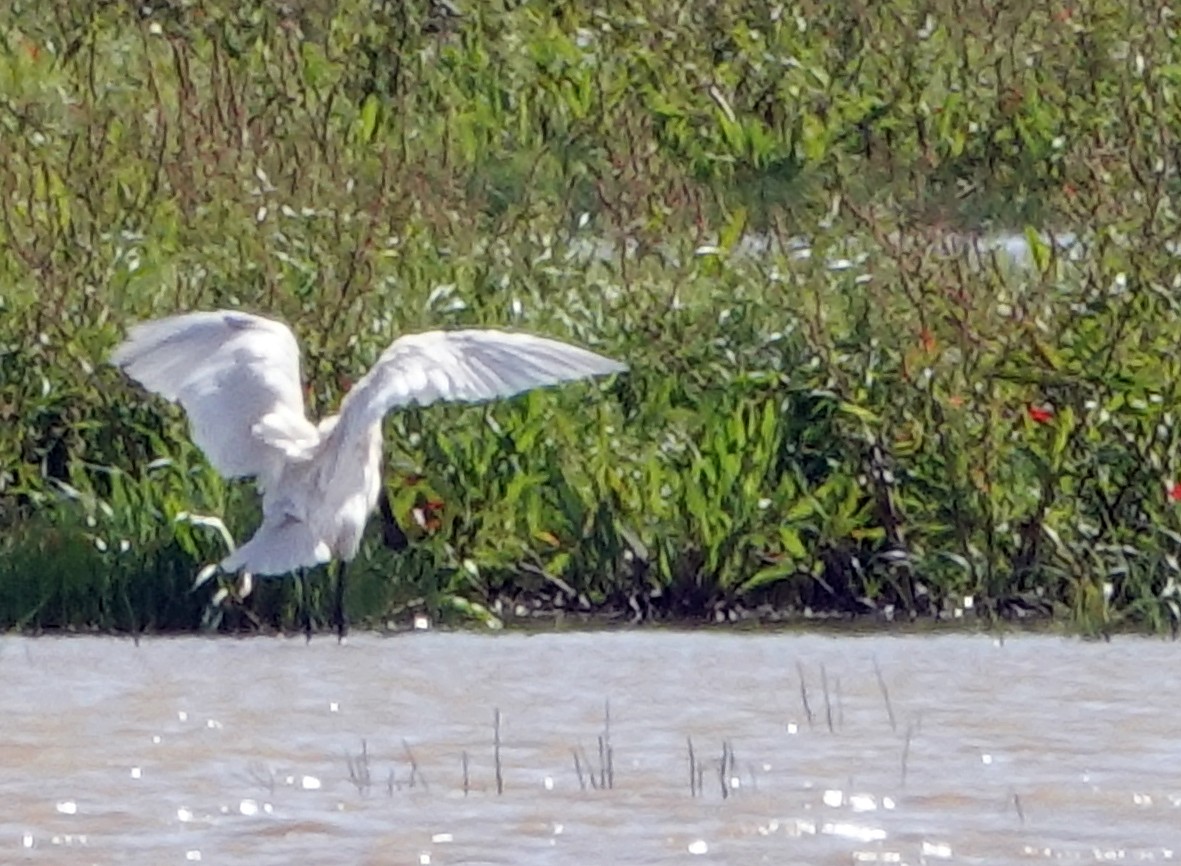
[273, 751]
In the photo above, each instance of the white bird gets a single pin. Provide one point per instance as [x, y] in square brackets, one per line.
[237, 376]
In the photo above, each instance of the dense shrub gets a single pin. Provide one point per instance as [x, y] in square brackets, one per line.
[845, 396]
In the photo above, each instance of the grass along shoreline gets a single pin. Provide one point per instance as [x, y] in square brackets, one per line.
[926, 425]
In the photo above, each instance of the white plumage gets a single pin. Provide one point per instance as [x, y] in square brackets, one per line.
[237, 376]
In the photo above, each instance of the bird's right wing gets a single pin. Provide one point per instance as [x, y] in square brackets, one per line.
[465, 366]
[237, 377]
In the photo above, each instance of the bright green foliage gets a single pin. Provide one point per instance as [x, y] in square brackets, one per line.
[895, 418]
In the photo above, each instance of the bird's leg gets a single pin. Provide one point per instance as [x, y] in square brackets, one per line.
[339, 620]
[305, 610]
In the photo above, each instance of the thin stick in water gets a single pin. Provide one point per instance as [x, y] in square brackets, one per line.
[693, 790]
[723, 766]
[359, 772]
[827, 701]
[906, 751]
[610, 767]
[466, 778]
[885, 695]
[602, 762]
[578, 770]
[804, 696]
[415, 773]
[590, 773]
[496, 752]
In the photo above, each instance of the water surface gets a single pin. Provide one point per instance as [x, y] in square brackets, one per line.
[273, 751]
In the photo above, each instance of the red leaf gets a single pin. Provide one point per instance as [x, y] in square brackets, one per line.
[1040, 414]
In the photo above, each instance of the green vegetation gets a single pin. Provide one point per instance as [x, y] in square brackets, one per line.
[895, 422]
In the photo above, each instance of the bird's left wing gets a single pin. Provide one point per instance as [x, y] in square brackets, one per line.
[465, 366]
[237, 377]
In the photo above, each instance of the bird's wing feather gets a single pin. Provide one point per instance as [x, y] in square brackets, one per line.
[465, 366]
[237, 376]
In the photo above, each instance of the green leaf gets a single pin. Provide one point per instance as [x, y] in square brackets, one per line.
[474, 610]
[315, 67]
[733, 230]
[766, 576]
[1038, 248]
[814, 138]
[859, 412]
[695, 503]
[1064, 426]
[368, 119]
[803, 508]
[792, 542]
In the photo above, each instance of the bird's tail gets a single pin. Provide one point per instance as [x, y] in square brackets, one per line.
[282, 544]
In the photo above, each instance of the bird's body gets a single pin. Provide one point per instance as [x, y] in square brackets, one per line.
[237, 376]
[316, 507]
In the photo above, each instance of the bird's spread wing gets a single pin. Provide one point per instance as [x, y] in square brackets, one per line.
[465, 366]
[237, 376]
